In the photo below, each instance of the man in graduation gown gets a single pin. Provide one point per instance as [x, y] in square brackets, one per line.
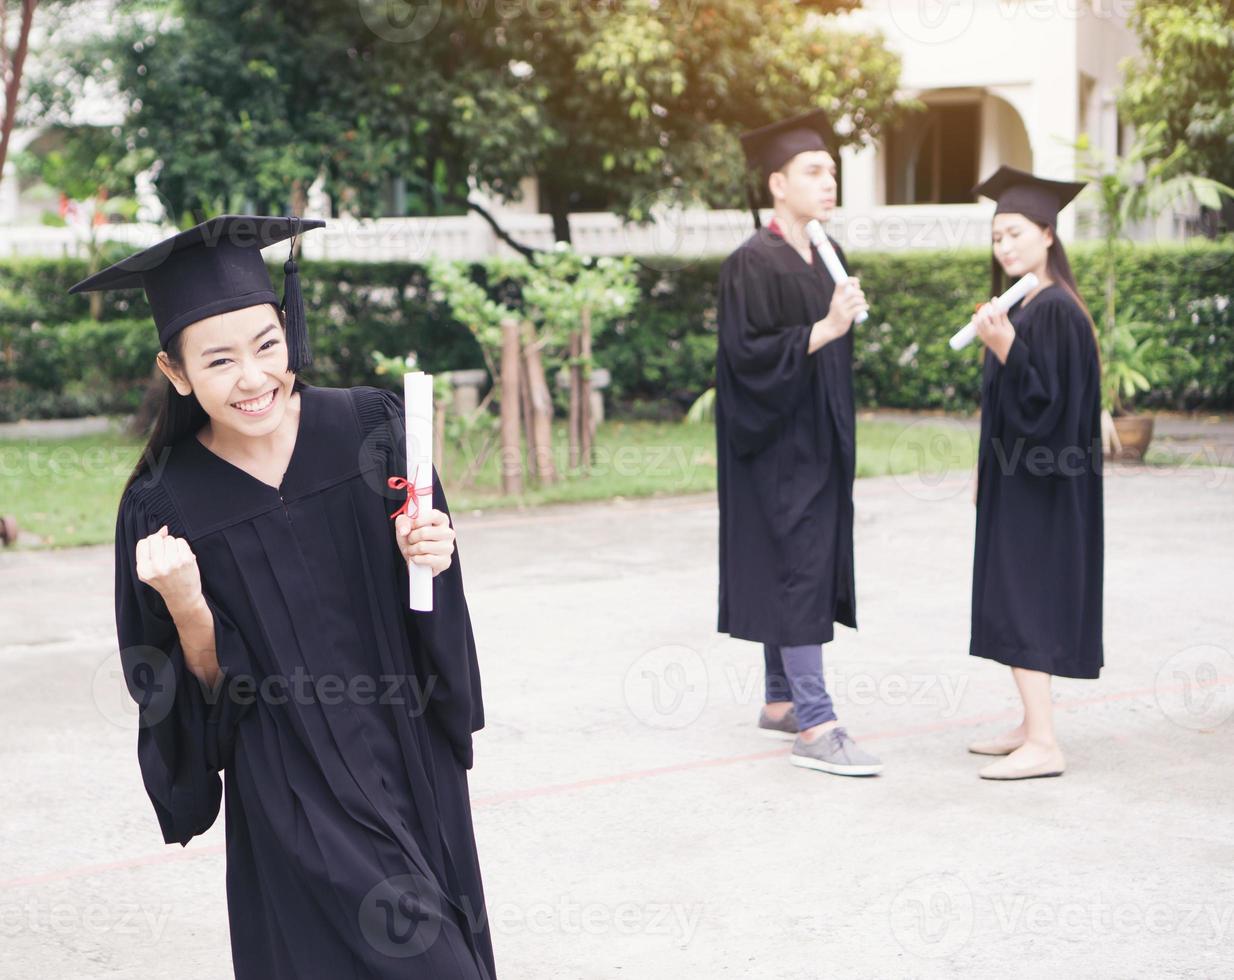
[341, 721]
[785, 444]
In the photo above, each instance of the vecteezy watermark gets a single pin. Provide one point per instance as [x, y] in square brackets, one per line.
[71, 462]
[945, 21]
[942, 691]
[39, 917]
[667, 687]
[399, 21]
[401, 915]
[1195, 687]
[1037, 459]
[136, 688]
[1077, 921]
[932, 21]
[932, 916]
[569, 917]
[938, 451]
[403, 22]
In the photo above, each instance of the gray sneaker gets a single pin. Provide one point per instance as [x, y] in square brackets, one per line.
[786, 727]
[835, 751]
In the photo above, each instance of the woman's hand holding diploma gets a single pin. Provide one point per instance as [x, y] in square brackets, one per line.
[428, 541]
[167, 564]
[995, 329]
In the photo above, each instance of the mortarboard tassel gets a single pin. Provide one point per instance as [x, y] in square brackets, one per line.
[299, 354]
[752, 199]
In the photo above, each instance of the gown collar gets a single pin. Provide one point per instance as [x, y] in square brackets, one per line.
[773, 226]
[212, 493]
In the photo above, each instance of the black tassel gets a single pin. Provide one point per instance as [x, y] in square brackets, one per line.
[299, 355]
[752, 198]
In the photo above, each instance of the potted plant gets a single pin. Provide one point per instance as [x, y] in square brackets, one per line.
[1128, 190]
[1133, 359]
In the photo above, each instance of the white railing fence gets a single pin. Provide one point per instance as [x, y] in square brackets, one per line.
[676, 236]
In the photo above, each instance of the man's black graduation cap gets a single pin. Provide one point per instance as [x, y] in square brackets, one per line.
[769, 148]
[215, 268]
[1018, 192]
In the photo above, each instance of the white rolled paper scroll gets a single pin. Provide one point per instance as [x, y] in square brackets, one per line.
[835, 267]
[1005, 302]
[418, 405]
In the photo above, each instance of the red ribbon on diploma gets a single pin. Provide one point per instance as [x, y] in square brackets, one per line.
[413, 497]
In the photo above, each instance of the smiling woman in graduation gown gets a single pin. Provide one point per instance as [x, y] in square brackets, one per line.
[342, 721]
[345, 720]
[786, 450]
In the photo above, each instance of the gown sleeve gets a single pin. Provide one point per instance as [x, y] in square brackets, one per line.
[1043, 380]
[766, 368]
[444, 637]
[186, 733]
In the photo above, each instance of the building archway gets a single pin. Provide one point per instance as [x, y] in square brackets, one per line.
[937, 155]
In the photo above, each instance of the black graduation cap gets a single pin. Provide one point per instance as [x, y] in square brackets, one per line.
[769, 148]
[215, 268]
[1018, 192]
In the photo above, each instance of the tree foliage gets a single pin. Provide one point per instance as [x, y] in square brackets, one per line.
[615, 106]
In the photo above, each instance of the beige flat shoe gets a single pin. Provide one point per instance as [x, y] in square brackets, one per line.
[1053, 765]
[996, 746]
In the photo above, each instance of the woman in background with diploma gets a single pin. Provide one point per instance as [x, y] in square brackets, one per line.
[264, 630]
[1037, 568]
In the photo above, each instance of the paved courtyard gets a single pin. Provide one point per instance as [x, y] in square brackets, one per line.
[632, 823]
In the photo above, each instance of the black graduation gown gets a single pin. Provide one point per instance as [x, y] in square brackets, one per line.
[350, 851]
[1037, 570]
[785, 448]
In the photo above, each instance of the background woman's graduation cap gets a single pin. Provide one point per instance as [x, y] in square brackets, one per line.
[1018, 192]
[215, 268]
[769, 148]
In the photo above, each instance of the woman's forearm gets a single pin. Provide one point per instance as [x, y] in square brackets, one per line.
[195, 624]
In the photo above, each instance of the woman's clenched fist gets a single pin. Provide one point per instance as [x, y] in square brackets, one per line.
[168, 565]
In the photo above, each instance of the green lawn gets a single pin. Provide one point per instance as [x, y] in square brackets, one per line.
[65, 491]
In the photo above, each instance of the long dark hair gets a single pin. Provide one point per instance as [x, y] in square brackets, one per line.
[1057, 266]
[175, 415]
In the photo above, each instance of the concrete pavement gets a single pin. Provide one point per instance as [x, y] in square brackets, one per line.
[632, 823]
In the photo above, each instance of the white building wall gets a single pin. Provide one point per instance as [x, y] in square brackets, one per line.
[1056, 62]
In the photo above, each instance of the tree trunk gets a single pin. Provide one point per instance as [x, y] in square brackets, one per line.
[529, 430]
[439, 439]
[511, 463]
[585, 392]
[143, 419]
[541, 400]
[557, 200]
[299, 198]
[15, 64]
[561, 224]
[576, 413]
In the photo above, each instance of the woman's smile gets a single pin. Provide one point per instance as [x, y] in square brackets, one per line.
[259, 405]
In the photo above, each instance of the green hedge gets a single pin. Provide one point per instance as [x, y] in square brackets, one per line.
[56, 361]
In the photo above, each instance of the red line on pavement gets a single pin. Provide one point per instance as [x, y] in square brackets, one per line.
[553, 789]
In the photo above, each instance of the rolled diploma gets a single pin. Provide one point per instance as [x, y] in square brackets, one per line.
[1005, 302]
[832, 261]
[418, 405]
